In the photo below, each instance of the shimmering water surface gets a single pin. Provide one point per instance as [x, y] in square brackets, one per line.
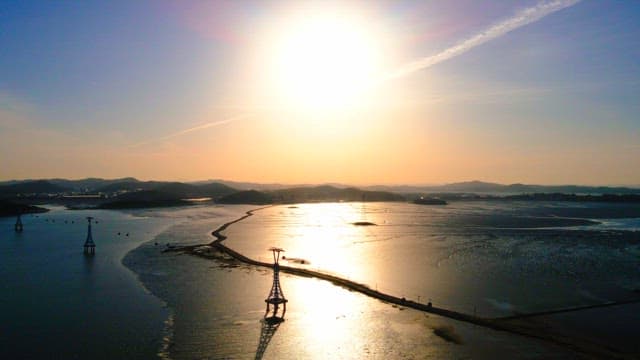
[491, 258]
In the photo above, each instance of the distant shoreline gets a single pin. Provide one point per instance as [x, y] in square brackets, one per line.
[8, 209]
[130, 193]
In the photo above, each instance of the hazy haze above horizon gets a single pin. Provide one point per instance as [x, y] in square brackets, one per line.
[354, 92]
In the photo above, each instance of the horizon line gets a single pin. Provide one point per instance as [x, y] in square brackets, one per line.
[629, 185]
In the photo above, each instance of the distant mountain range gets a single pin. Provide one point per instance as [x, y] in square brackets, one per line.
[133, 193]
[124, 185]
[480, 187]
[223, 187]
[32, 187]
[309, 194]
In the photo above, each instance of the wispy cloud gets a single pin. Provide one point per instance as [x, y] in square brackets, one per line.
[189, 130]
[522, 18]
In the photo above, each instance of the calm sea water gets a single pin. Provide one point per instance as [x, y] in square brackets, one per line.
[56, 303]
[493, 259]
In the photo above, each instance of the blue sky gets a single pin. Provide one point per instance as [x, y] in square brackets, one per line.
[554, 101]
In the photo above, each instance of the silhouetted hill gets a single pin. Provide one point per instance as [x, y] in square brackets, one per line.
[31, 187]
[159, 194]
[215, 190]
[286, 193]
[172, 192]
[247, 197]
[139, 204]
[480, 187]
[176, 189]
[603, 198]
[473, 186]
[144, 199]
[331, 193]
[610, 198]
[89, 184]
[241, 185]
[8, 208]
[147, 195]
[322, 193]
[569, 189]
[82, 185]
[127, 186]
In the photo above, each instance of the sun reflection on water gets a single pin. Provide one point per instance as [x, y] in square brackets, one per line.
[320, 236]
[388, 256]
[329, 319]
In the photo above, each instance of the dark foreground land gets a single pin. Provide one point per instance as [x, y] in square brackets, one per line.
[8, 208]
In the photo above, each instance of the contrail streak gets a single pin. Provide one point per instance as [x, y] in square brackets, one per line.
[195, 128]
[522, 18]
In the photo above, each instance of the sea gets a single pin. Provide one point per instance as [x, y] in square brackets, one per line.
[134, 300]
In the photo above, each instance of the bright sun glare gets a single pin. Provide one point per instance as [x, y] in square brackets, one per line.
[325, 61]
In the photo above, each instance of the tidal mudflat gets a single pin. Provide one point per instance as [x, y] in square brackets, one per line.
[422, 254]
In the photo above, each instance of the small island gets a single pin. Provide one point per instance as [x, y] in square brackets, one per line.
[425, 200]
[364, 223]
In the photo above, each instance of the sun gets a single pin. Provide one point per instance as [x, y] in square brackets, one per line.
[325, 61]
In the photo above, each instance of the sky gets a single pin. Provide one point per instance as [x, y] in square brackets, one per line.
[357, 92]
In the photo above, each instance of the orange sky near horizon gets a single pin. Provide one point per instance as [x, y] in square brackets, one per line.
[313, 92]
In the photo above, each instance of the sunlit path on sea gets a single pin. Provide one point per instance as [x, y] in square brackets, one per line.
[472, 257]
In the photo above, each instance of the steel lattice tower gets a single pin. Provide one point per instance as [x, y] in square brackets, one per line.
[89, 245]
[18, 227]
[276, 296]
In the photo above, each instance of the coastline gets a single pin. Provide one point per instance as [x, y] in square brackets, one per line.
[511, 325]
[152, 270]
[163, 350]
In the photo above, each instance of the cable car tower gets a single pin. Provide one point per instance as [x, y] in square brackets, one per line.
[89, 245]
[276, 296]
[19, 227]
